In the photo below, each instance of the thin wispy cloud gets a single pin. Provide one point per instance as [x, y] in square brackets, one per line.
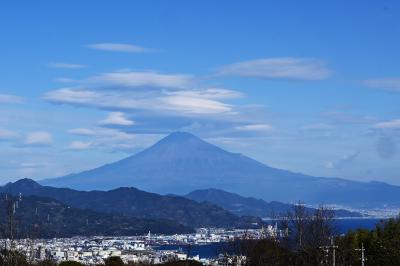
[65, 80]
[32, 165]
[391, 124]
[318, 127]
[339, 117]
[65, 65]
[141, 79]
[158, 102]
[6, 134]
[11, 99]
[116, 119]
[82, 132]
[121, 47]
[390, 84]
[255, 127]
[38, 138]
[75, 96]
[279, 68]
[108, 133]
[108, 139]
[79, 145]
[193, 105]
[343, 162]
[210, 93]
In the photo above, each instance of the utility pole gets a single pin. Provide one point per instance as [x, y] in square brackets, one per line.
[334, 247]
[327, 249]
[362, 249]
[325, 252]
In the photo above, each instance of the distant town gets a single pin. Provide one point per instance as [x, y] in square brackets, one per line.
[150, 248]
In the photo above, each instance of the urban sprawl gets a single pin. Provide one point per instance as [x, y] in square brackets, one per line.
[150, 248]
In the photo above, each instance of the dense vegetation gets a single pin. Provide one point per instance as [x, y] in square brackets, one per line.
[310, 240]
[311, 243]
[382, 245]
[133, 202]
[46, 218]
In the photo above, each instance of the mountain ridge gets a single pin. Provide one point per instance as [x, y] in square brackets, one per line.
[47, 218]
[132, 202]
[239, 205]
[182, 162]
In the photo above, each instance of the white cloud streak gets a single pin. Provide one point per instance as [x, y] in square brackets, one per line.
[392, 124]
[121, 47]
[116, 118]
[318, 127]
[12, 99]
[79, 145]
[338, 117]
[279, 68]
[65, 65]
[342, 162]
[209, 93]
[82, 132]
[6, 134]
[255, 127]
[193, 105]
[162, 102]
[108, 139]
[141, 79]
[392, 85]
[38, 138]
[74, 96]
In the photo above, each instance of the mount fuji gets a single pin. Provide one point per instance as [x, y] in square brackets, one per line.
[182, 162]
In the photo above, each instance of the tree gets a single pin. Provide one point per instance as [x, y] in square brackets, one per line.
[382, 245]
[182, 263]
[298, 219]
[113, 261]
[46, 263]
[70, 263]
[9, 256]
[306, 231]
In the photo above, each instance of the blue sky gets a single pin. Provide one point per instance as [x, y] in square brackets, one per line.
[311, 87]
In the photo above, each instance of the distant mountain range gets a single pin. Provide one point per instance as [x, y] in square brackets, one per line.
[181, 163]
[131, 202]
[250, 206]
[46, 218]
